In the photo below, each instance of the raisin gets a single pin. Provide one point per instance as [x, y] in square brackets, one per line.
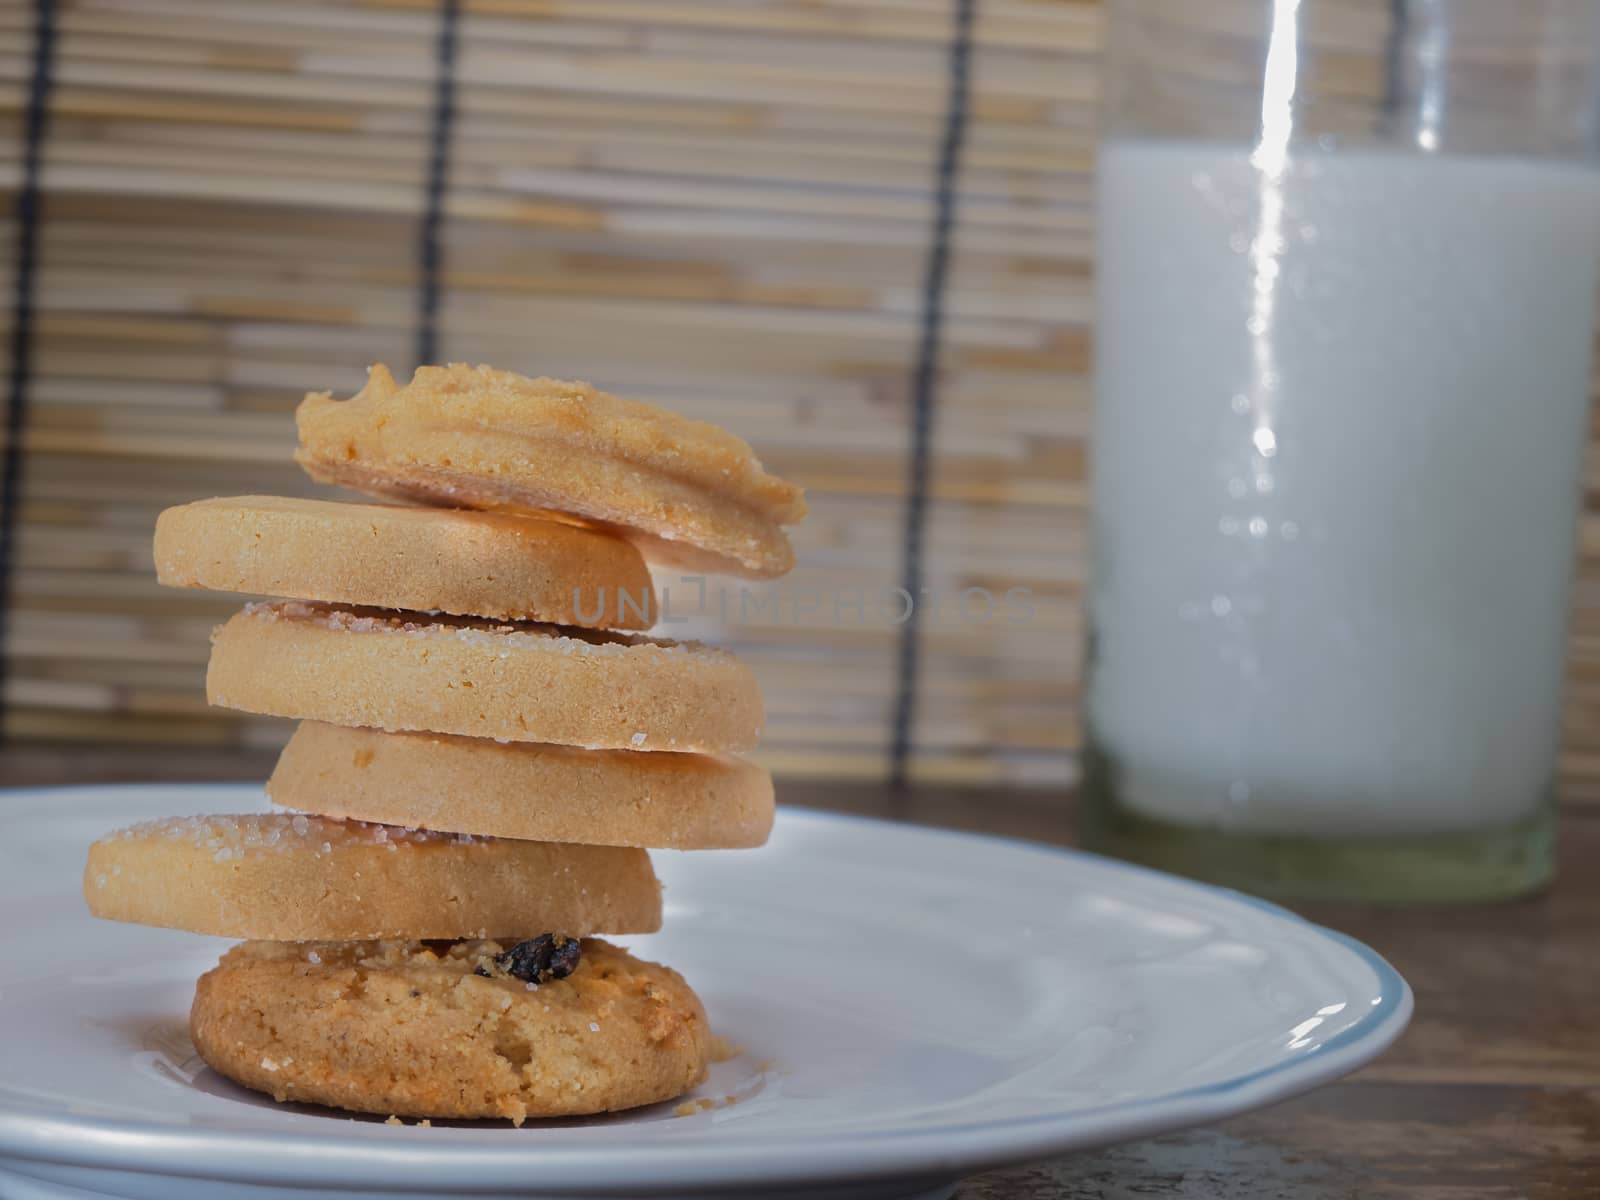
[481, 971]
[541, 959]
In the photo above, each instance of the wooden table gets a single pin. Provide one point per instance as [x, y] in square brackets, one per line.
[1493, 1093]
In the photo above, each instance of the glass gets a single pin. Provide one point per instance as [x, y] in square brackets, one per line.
[1347, 265]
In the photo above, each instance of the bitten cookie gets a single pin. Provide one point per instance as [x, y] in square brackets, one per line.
[405, 1029]
[292, 877]
[520, 683]
[544, 792]
[689, 493]
[388, 556]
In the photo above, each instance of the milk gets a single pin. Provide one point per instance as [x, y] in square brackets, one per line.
[1341, 414]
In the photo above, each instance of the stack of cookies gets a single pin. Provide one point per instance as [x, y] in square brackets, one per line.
[484, 756]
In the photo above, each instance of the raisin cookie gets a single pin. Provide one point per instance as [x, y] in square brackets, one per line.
[460, 1031]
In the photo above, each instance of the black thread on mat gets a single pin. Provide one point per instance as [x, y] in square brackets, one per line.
[429, 256]
[1394, 63]
[35, 128]
[925, 385]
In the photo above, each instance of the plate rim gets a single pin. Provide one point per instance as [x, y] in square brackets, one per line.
[938, 1151]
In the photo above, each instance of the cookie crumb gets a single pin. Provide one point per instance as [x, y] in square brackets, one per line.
[722, 1049]
[690, 1108]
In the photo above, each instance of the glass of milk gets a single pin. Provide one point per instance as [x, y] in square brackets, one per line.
[1346, 273]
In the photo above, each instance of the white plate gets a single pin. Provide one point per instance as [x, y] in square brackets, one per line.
[914, 1005]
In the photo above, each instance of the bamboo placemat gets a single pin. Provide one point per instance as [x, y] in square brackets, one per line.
[730, 208]
[726, 207]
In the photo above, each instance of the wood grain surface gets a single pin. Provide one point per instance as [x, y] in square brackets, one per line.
[1492, 1094]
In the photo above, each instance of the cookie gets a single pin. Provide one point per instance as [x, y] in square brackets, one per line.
[294, 877]
[520, 683]
[520, 790]
[388, 556]
[688, 493]
[402, 1028]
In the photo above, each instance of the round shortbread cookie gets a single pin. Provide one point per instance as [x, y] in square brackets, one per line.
[388, 556]
[689, 493]
[517, 790]
[293, 877]
[519, 683]
[409, 1030]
